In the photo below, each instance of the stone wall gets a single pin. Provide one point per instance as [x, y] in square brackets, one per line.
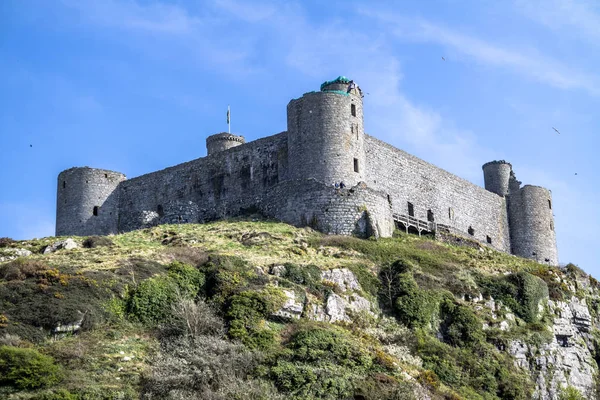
[453, 201]
[496, 177]
[220, 185]
[325, 139]
[87, 202]
[358, 210]
[222, 141]
[532, 224]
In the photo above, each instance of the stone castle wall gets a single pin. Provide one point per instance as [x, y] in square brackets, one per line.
[358, 210]
[290, 176]
[87, 202]
[325, 138]
[453, 201]
[220, 185]
[532, 224]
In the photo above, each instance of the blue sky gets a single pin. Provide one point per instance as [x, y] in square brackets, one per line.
[136, 85]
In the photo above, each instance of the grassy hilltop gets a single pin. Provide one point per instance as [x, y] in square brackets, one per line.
[243, 309]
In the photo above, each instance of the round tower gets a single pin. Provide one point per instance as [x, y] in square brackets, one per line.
[496, 175]
[87, 202]
[532, 224]
[222, 141]
[326, 134]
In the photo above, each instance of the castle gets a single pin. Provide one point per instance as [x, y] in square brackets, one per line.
[292, 176]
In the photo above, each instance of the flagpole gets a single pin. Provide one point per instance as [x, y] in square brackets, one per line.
[228, 119]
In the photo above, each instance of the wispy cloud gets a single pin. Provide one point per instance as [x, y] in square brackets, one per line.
[390, 114]
[580, 19]
[529, 63]
[168, 31]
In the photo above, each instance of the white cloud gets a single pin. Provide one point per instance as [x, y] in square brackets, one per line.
[529, 63]
[165, 31]
[575, 18]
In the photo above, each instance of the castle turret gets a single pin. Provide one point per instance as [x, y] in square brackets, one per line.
[497, 177]
[326, 134]
[532, 224]
[87, 202]
[222, 141]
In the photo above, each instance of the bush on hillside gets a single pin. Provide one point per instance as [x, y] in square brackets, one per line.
[22, 268]
[247, 312]
[27, 368]
[414, 307]
[521, 292]
[6, 242]
[460, 326]
[97, 241]
[150, 301]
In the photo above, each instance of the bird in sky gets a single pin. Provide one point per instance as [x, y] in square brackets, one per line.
[30, 145]
[443, 58]
[556, 130]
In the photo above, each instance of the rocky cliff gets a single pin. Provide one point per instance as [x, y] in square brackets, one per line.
[261, 310]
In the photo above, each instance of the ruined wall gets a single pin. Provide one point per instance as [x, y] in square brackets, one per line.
[496, 177]
[453, 201]
[358, 210]
[87, 201]
[220, 185]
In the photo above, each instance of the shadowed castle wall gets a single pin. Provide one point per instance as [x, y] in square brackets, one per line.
[453, 201]
[209, 188]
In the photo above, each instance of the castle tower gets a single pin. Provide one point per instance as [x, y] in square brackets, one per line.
[222, 141]
[532, 224]
[326, 134]
[87, 202]
[497, 177]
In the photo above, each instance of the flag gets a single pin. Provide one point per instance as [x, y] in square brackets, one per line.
[227, 114]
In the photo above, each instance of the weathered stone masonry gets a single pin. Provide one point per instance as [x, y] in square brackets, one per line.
[291, 176]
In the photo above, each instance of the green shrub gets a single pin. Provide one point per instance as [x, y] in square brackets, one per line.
[319, 344]
[460, 326]
[570, 393]
[414, 307]
[247, 312]
[481, 369]
[27, 368]
[307, 381]
[226, 275]
[188, 279]
[521, 292]
[150, 301]
[306, 275]
[60, 394]
[367, 280]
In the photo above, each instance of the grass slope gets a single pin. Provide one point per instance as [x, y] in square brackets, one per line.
[187, 311]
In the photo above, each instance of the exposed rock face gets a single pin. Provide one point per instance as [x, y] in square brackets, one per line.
[66, 244]
[342, 277]
[336, 307]
[292, 308]
[567, 359]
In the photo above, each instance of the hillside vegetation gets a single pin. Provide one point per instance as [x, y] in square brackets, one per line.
[256, 309]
